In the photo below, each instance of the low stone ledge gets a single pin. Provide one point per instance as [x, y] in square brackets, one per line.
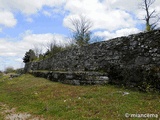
[14, 75]
[74, 78]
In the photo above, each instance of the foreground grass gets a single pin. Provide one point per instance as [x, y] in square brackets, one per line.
[56, 101]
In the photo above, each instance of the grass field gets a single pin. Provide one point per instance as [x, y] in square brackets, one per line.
[55, 101]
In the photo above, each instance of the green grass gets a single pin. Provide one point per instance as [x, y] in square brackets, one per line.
[56, 101]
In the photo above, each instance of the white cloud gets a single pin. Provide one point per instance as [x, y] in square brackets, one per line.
[44, 39]
[126, 5]
[7, 19]
[28, 7]
[27, 41]
[30, 20]
[100, 14]
[109, 15]
[105, 14]
[53, 12]
[47, 13]
[122, 32]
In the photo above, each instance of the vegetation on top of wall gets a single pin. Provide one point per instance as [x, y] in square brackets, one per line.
[53, 49]
[29, 56]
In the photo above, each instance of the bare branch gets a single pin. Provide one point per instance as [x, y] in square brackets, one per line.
[149, 15]
[81, 29]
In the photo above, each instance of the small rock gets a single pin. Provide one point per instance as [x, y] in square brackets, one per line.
[125, 93]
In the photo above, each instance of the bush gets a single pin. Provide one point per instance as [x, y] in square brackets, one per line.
[19, 71]
[29, 56]
[9, 70]
[54, 49]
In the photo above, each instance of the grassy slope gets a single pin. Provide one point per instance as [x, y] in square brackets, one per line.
[58, 101]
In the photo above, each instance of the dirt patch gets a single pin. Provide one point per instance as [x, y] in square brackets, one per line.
[11, 114]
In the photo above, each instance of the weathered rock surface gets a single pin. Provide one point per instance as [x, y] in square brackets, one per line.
[74, 78]
[132, 61]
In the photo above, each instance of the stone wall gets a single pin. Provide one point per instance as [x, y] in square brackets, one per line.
[132, 61]
[74, 78]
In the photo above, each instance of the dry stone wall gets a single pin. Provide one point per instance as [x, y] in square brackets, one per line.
[74, 78]
[132, 61]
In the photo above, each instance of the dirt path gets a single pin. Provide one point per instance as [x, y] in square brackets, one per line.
[11, 114]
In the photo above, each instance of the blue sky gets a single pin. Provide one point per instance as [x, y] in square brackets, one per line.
[39, 24]
[25, 24]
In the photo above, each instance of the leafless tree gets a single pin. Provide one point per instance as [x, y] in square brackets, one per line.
[146, 5]
[38, 49]
[52, 47]
[80, 28]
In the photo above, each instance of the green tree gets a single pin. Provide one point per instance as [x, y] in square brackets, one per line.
[29, 56]
[41, 57]
[80, 28]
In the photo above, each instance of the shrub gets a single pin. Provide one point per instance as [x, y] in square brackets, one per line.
[9, 70]
[29, 56]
